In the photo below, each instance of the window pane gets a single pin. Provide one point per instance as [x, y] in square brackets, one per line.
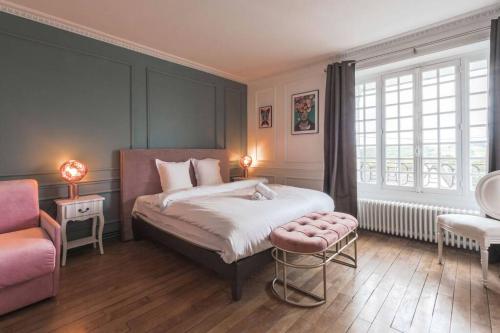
[479, 117]
[406, 151]
[478, 101]
[430, 151]
[429, 92]
[406, 110]
[479, 84]
[430, 166]
[447, 120]
[406, 138]
[429, 107]
[391, 98]
[430, 136]
[447, 135]
[391, 125]
[370, 101]
[391, 111]
[406, 96]
[391, 138]
[391, 152]
[447, 151]
[371, 138]
[447, 89]
[478, 133]
[370, 113]
[477, 150]
[370, 126]
[447, 104]
[429, 121]
[406, 124]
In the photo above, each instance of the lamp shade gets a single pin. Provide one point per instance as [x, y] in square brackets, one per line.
[246, 161]
[73, 171]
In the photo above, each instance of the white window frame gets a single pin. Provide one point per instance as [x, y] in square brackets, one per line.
[462, 195]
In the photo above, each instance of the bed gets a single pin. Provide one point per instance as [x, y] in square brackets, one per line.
[203, 226]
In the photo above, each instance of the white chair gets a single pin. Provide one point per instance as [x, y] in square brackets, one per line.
[485, 231]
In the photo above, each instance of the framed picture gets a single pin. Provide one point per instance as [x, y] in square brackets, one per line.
[305, 112]
[266, 116]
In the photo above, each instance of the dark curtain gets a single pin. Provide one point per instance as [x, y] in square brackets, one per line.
[340, 138]
[494, 111]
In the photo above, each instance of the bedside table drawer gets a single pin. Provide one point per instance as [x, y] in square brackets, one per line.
[81, 209]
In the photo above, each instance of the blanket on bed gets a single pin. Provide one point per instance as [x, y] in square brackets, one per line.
[228, 211]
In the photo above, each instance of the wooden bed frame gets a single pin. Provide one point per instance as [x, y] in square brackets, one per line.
[139, 177]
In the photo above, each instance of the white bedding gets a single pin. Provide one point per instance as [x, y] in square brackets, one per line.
[227, 211]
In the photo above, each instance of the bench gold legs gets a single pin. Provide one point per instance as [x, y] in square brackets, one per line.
[329, 255]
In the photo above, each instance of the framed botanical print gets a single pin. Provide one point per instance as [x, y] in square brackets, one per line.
[305, 112]
[266, 116]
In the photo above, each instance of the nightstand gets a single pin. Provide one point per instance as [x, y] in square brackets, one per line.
[81, 209]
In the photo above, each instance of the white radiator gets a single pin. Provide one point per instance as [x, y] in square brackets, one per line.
[410, 220]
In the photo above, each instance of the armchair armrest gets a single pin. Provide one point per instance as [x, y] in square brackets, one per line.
[52, 228]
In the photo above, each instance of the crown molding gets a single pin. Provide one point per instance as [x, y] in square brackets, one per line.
[457, 26]
[60, 23]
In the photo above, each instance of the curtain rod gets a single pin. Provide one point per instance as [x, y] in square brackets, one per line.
[414, 48]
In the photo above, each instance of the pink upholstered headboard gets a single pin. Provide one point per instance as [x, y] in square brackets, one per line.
[139, 176]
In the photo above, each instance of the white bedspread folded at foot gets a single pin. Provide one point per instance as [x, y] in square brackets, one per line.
[230, 213]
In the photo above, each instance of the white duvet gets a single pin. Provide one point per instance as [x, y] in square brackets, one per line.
[227, 211]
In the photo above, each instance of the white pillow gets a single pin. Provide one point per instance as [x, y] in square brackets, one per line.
[174, 175]
[207, 171]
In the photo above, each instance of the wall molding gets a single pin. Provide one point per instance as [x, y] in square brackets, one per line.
[63, 24]
[149, 71]
[476, 24]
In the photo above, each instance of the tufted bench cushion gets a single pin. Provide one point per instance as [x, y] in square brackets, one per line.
[314, 232]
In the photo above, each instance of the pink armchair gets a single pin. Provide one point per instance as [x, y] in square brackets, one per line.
[30, 242]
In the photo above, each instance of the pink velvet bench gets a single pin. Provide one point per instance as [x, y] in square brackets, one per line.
[323, 236]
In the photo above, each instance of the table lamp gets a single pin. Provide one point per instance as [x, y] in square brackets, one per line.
[73, 171]
[245, 163]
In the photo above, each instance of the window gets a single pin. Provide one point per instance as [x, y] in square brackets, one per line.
[366, 132]
[432, 133]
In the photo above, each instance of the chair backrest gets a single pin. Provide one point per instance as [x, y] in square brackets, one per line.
[18, 205]
[488, 194]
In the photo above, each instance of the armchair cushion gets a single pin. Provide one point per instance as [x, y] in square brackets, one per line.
[25, 255]
[18, 204]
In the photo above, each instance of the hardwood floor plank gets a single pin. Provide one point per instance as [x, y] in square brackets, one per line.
[461, 313]
[406, 311]
[480, 317]
[441, 318]
[423, 313]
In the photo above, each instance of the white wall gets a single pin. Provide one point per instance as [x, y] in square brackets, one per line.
[284, 158]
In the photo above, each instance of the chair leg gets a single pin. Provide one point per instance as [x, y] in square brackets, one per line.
[440, 244]
[484, 264]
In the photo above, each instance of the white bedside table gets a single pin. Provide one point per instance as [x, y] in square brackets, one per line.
[80, 209]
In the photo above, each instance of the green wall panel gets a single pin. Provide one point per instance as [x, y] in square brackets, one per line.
[65, 96]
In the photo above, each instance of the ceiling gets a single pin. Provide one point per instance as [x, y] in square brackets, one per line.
[248, 39]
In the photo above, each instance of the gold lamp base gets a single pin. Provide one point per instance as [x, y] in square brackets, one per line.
[73, 191]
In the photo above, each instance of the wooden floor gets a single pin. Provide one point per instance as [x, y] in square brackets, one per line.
[142, 287]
